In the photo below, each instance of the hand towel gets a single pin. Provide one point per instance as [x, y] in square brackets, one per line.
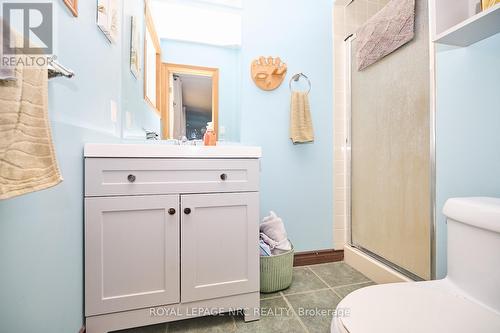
[301, 126]
[27, 158]
[392, 27]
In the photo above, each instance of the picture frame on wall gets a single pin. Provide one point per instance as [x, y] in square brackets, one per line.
[135, 47]
[108, 19]
[72, 6]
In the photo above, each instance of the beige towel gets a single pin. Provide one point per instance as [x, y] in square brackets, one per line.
[27, 158]
[388, 30]
[301, 126]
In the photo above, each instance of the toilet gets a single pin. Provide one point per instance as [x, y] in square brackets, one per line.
[467, 300]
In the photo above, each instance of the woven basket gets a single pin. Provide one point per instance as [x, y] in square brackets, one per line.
[276, 272]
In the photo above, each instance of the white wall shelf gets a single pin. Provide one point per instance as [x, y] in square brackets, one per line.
[471, 30]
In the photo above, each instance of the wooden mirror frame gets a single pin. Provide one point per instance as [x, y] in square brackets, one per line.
[170, 69]
[150, 28]
[72, 6]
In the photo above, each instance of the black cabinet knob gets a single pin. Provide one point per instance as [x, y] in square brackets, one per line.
[223, 176]
[187, 211]
[131, 178]
[171, 211]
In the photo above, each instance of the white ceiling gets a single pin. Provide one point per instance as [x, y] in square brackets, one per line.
[197, 92]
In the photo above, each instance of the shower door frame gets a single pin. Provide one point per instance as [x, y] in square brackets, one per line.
[348, 160]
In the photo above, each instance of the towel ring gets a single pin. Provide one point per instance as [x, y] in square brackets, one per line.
[297, 77]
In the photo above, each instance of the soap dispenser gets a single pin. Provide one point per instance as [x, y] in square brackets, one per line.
[209, 139]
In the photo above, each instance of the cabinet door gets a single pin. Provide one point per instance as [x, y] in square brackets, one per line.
[219, 245]
[131, 253]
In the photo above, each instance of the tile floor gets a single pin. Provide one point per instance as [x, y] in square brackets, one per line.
[314, 287]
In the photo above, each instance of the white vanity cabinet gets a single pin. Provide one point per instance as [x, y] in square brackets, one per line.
[167, 236]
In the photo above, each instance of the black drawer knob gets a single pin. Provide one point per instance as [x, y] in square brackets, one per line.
[187, 211]
[131, 178]
[171, 211]
[223, 176]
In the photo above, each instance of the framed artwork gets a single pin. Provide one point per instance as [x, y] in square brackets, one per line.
[135, 48]
[72, 6]
[108, 19]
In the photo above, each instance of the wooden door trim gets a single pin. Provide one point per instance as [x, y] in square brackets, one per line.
[156, 42]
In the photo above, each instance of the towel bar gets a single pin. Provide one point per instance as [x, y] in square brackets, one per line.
[297, 77]
[55, 69]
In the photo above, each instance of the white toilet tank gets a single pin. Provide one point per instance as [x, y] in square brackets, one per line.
[474, 247]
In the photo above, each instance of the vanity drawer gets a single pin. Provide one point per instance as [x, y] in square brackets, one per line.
[136, 176]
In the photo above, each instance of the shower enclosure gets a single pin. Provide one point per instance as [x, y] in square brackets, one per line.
[390, 154]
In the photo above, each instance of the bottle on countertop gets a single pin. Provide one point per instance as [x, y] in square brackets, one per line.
[210, 139]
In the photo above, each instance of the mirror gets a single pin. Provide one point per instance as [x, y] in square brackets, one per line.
[191, 101]
[191, 73]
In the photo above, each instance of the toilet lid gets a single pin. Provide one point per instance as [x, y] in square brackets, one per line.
[415, 308]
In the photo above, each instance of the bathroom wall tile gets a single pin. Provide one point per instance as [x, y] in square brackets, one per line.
[339, 274]
[340, 220]
[339, 195]
[339, 165]
[276, 317]
[346, 290]
[340, 206]
[339, 136]
[339, 239]
[306, 307]
[340, 96]
[339, 180]
[304, 280]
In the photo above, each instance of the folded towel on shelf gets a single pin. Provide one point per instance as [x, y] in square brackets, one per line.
[27, 158]
[301, 126]
[273, 233]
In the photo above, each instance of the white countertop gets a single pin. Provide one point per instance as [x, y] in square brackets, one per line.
[159, 150]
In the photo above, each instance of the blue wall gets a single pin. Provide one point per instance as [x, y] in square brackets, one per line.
[468, 128]
[296, 181]
[227, 60]
[140, 112]
[41, 234]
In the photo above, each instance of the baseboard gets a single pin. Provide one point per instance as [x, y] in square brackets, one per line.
[317, 257]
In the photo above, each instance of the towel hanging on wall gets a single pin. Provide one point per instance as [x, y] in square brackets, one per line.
[392, 27]
[301, 126]
[27, 158]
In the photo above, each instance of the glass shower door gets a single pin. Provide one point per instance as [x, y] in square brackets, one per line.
[390, 141]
